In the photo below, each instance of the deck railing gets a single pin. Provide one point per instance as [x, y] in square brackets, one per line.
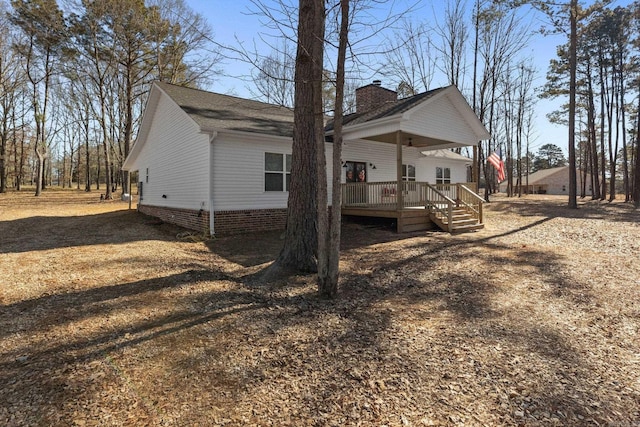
[439, 199]
[370, 194]
[473, 202]
[439, 203]
[383, 194]
[414, 194]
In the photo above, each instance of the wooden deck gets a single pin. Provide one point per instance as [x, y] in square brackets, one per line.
[408, 220]
[421, 207]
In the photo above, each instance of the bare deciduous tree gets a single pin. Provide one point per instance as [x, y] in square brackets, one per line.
[44, 27]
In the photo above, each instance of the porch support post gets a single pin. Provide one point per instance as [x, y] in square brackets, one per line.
[399, 189]
[476, 169]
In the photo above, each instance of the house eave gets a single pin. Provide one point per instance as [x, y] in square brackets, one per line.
[385, 129]
[149, 110]
[237, 133]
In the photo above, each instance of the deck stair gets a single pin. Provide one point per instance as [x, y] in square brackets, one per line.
[462, 220]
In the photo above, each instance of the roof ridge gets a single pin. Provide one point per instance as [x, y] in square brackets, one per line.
[208, 92]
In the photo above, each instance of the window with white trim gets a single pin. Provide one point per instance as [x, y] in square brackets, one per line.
[277, 171]
[408, 173]
[443, 175]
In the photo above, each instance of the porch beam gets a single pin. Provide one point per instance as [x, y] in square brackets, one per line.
[399, 190]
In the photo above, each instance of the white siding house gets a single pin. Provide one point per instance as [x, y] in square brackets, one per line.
[217, 162]
[174, 166]
[552, 181]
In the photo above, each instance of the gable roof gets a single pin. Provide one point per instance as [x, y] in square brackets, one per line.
[421, 120]
[216, 112]
[446, 154]
[388, 109]
[543, 174]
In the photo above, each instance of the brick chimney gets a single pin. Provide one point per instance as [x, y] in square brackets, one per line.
[372, 96]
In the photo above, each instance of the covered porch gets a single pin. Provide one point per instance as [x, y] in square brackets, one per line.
[412, 128]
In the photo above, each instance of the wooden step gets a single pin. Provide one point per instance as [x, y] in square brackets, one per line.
[462, 221]
[455, 216]
[467, 228]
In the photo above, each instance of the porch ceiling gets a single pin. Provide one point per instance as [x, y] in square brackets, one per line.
[414, 140]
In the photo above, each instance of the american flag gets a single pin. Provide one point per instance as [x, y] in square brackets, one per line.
[497, 163]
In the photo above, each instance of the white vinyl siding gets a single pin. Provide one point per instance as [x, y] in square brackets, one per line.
[440, 120]
[378, 154]
[238, 172]
[175, 160]
[383, 157]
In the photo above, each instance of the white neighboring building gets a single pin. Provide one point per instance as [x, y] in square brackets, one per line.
[218, 162]
[552, 181]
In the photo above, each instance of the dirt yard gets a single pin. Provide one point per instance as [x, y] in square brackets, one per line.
[108, 318]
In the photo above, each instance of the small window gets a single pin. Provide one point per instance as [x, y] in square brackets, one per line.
[408, 173]
[277, 171]
[443, 175]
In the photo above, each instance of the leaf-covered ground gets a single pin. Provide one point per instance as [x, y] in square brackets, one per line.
[109, 318]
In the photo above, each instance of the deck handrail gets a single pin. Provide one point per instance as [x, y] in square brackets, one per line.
[472, 201]
[435, 205]
[382, 194]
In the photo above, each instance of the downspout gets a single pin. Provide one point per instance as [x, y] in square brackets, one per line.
[212, 136]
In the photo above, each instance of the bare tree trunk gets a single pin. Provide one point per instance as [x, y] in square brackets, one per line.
[79, 162]
[612, 152]
[328, 283]
[301, 236]
[98, 168]
[20, 173]
[40, 171]
[593, 145]
[478, 148]
[87, 154]
[636, 172]
[3, 155]
[625, 163]
[573, 202]
[603, 163]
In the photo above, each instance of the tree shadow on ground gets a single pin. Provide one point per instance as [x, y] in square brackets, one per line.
[360, 326]
[263, 247]
[589, 209]
[219, 338]
[41, 233]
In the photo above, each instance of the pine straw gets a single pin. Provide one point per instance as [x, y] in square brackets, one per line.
[108, 318]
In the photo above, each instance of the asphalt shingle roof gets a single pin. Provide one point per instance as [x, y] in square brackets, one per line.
[224, 112]
[388, 109]
[215, 111]
[542, 174]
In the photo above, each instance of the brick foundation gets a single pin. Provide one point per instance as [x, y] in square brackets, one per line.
[226, 222]
[187, 218]
[249, 221]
